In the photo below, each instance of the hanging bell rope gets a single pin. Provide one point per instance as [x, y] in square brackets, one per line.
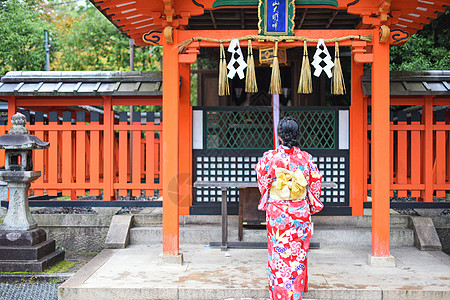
[305, 82]
[337, 82]
[275, 80]
[250, 77]
[182, 47]
[224, 89]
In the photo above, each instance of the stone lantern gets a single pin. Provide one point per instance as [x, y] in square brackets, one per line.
[23, 246]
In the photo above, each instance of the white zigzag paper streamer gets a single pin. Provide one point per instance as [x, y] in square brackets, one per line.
[235, 49]
[318, 59]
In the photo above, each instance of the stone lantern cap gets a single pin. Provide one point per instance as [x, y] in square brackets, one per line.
[18, 137]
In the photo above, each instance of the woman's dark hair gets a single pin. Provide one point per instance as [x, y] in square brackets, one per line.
[289, 131]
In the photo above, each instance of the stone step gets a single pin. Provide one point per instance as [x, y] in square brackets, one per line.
[185, 293]
[325, 235]
[336, 273]
[34, 252]
[32, 265]
[154, 218]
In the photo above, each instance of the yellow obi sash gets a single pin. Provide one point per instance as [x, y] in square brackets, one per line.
[289, 185]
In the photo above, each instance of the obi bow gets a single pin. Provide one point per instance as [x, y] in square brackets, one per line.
[289, 185]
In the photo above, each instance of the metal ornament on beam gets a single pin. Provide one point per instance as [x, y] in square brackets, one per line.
[383, 33]
[168, 34]
[266, 55]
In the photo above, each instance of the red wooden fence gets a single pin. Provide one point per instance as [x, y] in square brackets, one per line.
[74, 163]
[419, 149]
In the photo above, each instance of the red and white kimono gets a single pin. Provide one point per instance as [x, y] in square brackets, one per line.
[290, 185]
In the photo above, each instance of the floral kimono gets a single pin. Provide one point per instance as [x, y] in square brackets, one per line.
[290, 185]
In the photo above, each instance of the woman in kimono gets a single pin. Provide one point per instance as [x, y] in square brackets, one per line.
[290, 185]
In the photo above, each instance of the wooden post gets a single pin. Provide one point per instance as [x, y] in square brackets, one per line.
[81, 153]
[150, 155]
[53, 152]
[185, 141]
[402, 153]
[11, 109]
[380, 151]
[66, 166]
[366, 147]
[136, 153]
[108, 121]
[416, 149]
[427, 116]
[440, 153]
[357, 119]
[171, 100]
[95, 153]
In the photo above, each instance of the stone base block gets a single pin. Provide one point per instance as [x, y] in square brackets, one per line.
[171, 259]
[22, 238]
[381, 261]
[34, 252]
[27, 251]
[32, 265]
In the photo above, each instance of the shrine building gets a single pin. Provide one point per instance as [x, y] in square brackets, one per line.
[300, 58]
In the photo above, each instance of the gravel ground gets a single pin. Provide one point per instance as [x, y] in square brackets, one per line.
[27, 291]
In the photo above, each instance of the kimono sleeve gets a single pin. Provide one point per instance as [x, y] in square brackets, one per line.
[315, 187]
[264, 180]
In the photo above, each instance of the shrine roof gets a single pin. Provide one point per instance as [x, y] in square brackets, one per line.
[414, 83]
[81, 83]
[138, 17]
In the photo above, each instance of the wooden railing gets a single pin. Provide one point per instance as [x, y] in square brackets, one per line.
[419, 151]
[74, 164]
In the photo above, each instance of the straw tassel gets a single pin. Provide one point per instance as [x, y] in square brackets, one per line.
[224, 89]
[337, 82]
[250, 77]
[182, 47]
[305, 82]
[275, 80]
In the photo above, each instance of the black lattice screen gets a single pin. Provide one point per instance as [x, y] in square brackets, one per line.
[241, 168]
[252, 129]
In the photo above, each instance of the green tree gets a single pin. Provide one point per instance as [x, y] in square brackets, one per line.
[429, 49]
[85, 40]
[21, 36]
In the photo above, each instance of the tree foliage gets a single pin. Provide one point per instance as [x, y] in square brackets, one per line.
[21, 36]
[82, 38]
[86, 40]
[429, 49]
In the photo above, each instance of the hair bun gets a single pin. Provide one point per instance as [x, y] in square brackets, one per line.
[289, 131]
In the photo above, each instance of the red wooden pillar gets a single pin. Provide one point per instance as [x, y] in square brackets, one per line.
[185, 141]
[12, 109]
[171, 99]
[380, 151]
[427, 116]
[108, 120]
[357, 119]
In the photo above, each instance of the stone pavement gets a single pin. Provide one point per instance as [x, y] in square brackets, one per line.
[26, 291]
[208, 273]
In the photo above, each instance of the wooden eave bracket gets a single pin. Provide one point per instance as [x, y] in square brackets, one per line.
[359, 52]
[176, 21]
[169, 11]
[190, 56]
[379, 16]
[184, 18]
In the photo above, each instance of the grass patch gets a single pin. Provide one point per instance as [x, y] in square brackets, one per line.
[61, 267]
